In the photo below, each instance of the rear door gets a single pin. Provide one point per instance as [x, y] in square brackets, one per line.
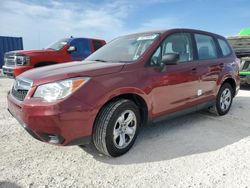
[210, 66]
[82, 49]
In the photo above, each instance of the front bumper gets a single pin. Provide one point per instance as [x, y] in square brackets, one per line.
[14, 71]
[51, 124]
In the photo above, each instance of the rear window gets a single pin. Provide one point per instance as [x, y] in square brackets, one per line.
[97, 44]
[206, 47]
[226, 50]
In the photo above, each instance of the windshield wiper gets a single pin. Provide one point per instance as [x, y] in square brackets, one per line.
[99, 60]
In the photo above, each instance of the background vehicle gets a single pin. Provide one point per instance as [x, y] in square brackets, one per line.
[9, 44]
[110, 96]
[241, 46]
[65, 50]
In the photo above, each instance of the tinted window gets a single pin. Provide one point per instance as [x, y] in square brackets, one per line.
[97, 44]
[206, 47]
[179, 43]
[226, 50]
[82, 46]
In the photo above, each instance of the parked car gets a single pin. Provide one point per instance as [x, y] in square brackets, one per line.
[131, 81]
[64, 50]
[245, 71]
[9, 44]
[241, 46]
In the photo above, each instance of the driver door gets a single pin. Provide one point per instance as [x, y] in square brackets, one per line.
[176, 87]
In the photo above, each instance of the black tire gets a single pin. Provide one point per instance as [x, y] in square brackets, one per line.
[217, 109]
[103, 133]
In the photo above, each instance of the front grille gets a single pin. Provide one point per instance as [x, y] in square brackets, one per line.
[20, 88]
[19, 94]
[9, 60]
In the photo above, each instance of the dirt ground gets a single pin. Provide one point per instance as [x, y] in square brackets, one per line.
[197, 150]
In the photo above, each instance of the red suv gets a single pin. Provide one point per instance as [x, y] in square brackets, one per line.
[129, 82]
[64, 50]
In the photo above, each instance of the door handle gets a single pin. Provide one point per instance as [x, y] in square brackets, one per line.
[194, 69]
[221, 65]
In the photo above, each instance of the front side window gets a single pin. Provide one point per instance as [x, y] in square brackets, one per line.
[205, 46]
[82, 46]
[180, 43]
[124, 49]
[226, 50]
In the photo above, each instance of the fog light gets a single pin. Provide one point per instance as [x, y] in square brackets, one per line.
[53, 139]
[50, 138]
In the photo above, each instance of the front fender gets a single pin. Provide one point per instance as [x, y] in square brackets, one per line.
[122, 91]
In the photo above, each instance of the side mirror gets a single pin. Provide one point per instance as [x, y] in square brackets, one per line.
[71, 49]
[170, 59]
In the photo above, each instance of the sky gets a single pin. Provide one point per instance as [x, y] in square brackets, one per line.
[41, 22]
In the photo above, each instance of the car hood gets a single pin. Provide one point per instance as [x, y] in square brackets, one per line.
[69, 70]
[30, 52]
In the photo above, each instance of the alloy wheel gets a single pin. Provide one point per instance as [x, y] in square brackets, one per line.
[124, 129]
[225, 99]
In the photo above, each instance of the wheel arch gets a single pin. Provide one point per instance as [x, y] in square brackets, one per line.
[136, 98]
[232, 82]
[139, 101]
[44, 63]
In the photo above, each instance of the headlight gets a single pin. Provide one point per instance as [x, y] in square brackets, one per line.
[22, 60]
[59, 90]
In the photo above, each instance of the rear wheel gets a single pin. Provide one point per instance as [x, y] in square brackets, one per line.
[223, 100]
[116, 127]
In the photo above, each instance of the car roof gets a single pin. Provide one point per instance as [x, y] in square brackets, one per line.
[175, 30]
[72, 38]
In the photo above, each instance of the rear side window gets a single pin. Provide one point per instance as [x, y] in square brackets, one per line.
[206, 47]
[97, 44]
[225, 49]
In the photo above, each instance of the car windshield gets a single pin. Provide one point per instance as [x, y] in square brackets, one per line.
[58, 45]
[124, 49]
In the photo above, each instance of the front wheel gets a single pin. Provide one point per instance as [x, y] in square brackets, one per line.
[223, 100]
[116, 127]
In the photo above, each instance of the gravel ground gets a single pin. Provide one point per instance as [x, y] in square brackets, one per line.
[197, 150]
